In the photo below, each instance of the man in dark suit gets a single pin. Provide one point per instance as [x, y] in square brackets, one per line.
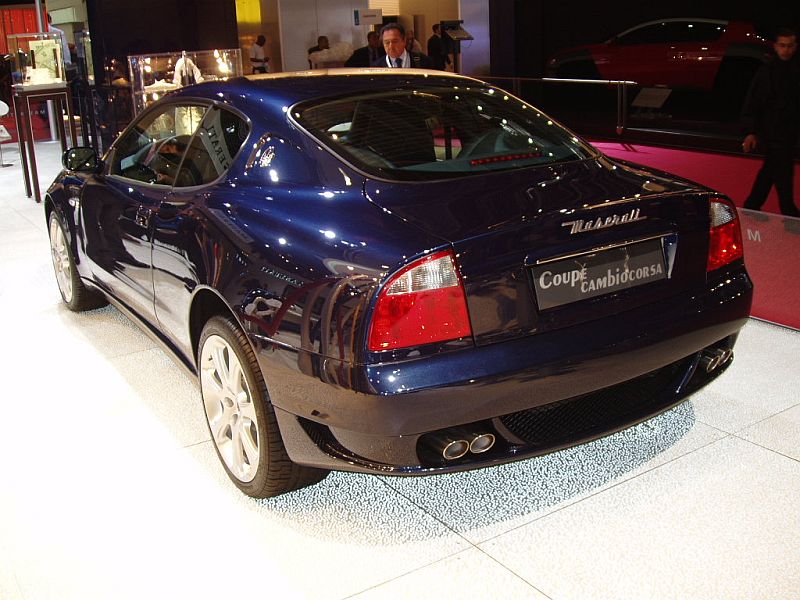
[370, 55]
[771, 116]
[393, 36]
[436, 50]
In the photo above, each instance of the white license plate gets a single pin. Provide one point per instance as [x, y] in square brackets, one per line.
[598, 273]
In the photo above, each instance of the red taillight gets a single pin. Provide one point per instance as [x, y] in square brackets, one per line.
[725, 235]
[423, 303]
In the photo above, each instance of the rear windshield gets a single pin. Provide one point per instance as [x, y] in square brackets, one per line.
[438, 133]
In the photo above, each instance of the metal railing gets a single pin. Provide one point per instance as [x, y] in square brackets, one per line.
[621, 85]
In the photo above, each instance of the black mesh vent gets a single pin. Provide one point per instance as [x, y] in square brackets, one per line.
[315, 431]
[586, 416]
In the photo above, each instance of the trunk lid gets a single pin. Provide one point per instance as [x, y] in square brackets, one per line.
[550, 247]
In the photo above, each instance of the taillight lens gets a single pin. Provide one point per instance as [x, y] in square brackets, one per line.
[423, 303]
[725, 235]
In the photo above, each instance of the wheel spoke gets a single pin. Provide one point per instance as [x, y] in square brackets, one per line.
[210, 378]
[236, 379]
[221, 365]
[239, 466]
[246, 408]
[249, 437]
[221, 427]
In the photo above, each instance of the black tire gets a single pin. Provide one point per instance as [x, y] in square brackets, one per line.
[74, 293]
[267, 471]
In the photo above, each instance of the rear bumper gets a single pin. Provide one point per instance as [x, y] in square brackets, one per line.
[374, 418]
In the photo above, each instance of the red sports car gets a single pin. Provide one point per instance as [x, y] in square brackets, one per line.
[676, 53]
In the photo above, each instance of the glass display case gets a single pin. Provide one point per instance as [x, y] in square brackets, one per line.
[38, 60]
[152, 75]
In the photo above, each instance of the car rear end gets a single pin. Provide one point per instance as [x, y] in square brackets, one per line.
[570, 297]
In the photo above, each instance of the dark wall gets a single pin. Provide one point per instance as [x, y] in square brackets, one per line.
[122, 27]
[542, 27]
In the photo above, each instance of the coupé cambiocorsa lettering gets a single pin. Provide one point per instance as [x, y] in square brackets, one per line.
[398, 272]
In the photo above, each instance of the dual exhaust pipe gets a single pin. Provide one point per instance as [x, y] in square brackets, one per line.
[455, 444]
[713, 359]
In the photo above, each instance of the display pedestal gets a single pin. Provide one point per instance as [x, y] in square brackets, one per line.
[23, 95]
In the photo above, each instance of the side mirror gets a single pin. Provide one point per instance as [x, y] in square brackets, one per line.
[80, 159]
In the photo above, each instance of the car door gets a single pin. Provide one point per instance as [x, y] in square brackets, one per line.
[117, 206]
[185, 251]
[639, 54]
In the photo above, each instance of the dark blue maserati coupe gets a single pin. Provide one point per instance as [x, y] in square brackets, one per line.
[397, 271]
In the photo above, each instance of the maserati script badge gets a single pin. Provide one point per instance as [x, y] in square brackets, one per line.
[580, 225]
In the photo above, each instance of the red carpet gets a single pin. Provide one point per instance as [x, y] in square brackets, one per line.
[771, 241]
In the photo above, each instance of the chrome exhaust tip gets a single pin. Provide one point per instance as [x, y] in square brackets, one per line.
[481, 443]
[712, 359]
[455, 449]
[726, 356]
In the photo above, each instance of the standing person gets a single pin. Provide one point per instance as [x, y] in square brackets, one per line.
[257, 58]
[412, 43]
[771, 116]
[371, 55]
[65, 53]
[393, 36]
[436, 50]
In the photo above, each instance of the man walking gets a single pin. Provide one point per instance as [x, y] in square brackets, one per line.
[771, 117]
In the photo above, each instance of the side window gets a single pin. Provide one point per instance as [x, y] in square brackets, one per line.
[649, 34]
[152, 149]
[212, 150]
[658, 33]
[706, 32]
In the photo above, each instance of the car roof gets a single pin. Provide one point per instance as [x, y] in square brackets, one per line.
[318, 83]
[673, 20]
[275, 93]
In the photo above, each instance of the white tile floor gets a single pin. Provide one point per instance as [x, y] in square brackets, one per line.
[109, 487]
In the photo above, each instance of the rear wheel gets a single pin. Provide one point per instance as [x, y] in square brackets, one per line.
[241, 418]
[75, 294]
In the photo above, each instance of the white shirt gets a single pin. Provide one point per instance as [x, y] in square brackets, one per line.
[406, 60]
[257, 52]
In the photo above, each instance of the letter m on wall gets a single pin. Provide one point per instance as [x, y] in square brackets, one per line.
[754, 236]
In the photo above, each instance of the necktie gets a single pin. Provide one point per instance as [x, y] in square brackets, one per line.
[399, 62]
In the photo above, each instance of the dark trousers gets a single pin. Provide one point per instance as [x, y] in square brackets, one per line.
[777, 170]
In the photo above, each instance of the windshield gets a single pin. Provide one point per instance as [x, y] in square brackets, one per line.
[438, 133]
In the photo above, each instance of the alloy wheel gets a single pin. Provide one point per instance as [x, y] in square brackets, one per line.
[62, 264]
[229, 408]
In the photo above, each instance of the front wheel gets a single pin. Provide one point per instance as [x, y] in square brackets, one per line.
[241, 418]
[75, 294]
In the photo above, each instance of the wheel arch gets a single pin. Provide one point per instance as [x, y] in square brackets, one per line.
[206, 303]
